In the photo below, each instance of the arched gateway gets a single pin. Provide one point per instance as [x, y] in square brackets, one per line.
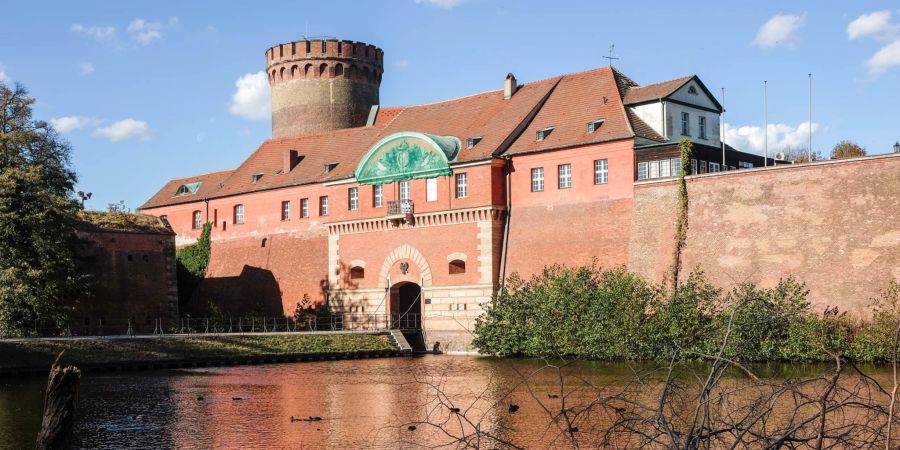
[406, 306]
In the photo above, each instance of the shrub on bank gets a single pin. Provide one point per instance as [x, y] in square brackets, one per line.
[596, 313]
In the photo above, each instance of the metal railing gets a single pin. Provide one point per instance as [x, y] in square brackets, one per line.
[226, 325]
[402, 207]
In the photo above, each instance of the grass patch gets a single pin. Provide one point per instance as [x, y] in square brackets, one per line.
[41, 353]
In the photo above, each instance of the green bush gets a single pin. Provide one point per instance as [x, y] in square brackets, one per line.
[192, 261]
[589, 312]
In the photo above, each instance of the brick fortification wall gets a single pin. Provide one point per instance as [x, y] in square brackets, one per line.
[833, 225]
[247, 276]
[134, 277]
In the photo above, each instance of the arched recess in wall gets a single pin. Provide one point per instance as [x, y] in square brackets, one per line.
[407, 252]
[281, 76]
[307, 71]
[323, 69]
[338, 70]
[357, 273]
[457, 267]
[295, 72]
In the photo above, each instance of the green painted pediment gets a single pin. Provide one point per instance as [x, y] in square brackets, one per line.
[407, 155]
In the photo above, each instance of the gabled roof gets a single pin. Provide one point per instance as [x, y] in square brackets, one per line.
[209, 184]
[641, 94]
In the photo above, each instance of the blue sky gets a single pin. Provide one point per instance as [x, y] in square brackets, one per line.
[145, 91]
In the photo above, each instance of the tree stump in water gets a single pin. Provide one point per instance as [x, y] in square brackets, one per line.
[59, 407]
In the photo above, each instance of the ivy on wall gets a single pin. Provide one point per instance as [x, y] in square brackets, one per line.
[682, 219]
[192, 262]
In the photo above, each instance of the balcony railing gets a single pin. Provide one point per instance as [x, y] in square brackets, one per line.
[400, 208]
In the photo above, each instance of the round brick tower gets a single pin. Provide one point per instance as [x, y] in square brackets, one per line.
[321, 85]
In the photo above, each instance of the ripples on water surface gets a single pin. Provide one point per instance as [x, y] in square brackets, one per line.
[362, 403]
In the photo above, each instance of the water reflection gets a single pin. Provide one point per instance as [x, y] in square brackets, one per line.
[362, 404]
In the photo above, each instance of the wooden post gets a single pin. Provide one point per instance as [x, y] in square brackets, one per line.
[59, 407]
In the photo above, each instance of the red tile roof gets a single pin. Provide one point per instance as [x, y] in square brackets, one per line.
[654, 91]
[507, 126]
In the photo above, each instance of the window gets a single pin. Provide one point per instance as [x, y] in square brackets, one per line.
[304, 208]
[665, 168]
[565, 176]
[702, 166]
[601, 171]
[238, 214]
[692, 90]
[377, 196]
[256, 177]
[537, 179]
[286, 210]
[685, 124]
[357, 273]
[714, 167]
[542, 134]
[654, 169]
[472, 141]
[404, 192]
[353, 198]
[457, 266]
[745, 165]
[462, 185]
[323, 205]
[676, 167]
[329, 167]
[187, 189]
[643, 170]
[594, 126]
[431, 190]
[197, 220]
[693, 167]
[702, 127]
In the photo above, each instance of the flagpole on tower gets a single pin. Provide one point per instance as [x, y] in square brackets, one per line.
[766, 120]
[809, 122]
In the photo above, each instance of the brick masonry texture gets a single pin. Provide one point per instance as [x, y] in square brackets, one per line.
[133, 276]
[834, 226]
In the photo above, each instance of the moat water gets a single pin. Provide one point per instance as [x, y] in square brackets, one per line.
[362, 404]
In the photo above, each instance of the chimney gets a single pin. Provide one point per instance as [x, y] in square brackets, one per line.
[509, 86]
[291, 159]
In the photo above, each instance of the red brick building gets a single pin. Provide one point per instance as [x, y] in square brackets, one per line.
[424, 209]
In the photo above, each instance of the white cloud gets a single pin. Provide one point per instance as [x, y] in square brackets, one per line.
[884, 59]
[144, 32]
[779, 30]
[401, 64]
[782, 137]
[252, 100]
[68, 124]
[86, 68]
[445, 4]
[100, 33]
[124, 129]
[876, 25]
[4, 78]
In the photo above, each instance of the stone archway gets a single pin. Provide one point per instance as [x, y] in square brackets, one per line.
[406, 252]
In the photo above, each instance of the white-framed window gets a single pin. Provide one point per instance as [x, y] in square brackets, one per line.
[353, 198]
[462, 185]
[714, 167]
[405, 194]
[702, 123]
[676, 166]
[197, 220]
[685, 124]
[702, 166]
[565, 176]
[304, 207]
[286, 210]
[473, 141]
[238, 214]
[537, 179]
[377, 196]
[323, 205]
[431, 191]
[693, 167]
[654, 169]
[665, 168]
[256, 177]
[542, 134]
[643, 170]
[594, 126]
[601, 171]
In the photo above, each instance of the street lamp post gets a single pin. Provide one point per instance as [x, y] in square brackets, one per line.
[84, 196]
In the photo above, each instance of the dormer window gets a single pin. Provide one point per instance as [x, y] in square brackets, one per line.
[542, 134]
[473, 141]
[594, 126]
[256, 177]
[330, 166]
[693, 90]
[188, 189]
